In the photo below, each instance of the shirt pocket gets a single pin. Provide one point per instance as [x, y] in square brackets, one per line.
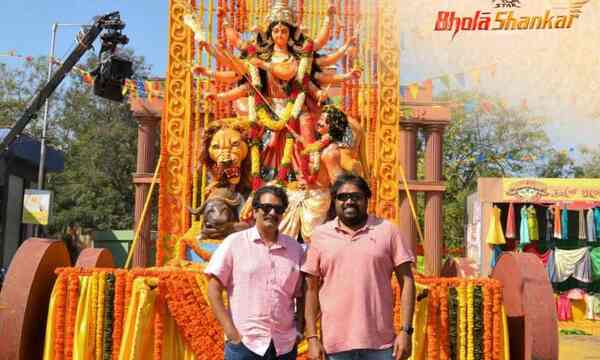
[288, 276]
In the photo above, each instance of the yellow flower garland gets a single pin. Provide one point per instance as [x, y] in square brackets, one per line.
[286, 160]
[100, 315]
[93, 288]
[470, 322]
[255, 160]
[462, 321]
[264, 118]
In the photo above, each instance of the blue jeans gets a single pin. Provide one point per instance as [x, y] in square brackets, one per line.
[241, 352]
[362, 354]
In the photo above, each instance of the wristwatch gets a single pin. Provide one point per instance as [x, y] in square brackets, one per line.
[407, 329]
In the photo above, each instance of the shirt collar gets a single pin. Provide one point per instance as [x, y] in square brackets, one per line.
[255, 237]
[369, 225]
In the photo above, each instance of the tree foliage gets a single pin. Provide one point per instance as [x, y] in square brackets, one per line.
[98, 138]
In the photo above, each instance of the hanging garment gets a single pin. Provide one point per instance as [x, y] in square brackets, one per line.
[557, 227]
[563, 308]
[495, 235]
[595, 259]
[591, 226]
[564, 224]
[597, 222]
[551, 266]
[510, 222]
[582, 232]
[576, 263]
[495, 255]
[549, 228]
[532, 224]
[524, 227]
[591, 302]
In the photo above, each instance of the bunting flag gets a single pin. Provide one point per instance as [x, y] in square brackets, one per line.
[486, 106]
[403, 90]
[414, 90]
[524, 104]
[476, 76]
[470, 106]
[135, 88]
[460, 78]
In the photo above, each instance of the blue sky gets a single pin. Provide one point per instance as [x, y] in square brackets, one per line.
[558, 72]
[26, 26]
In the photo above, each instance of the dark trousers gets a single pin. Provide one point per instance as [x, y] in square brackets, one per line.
[241, 352]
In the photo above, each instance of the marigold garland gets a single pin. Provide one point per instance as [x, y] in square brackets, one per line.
[444, 338]
[93, 291]
[99, 330]
[108, 316]
[462, 322]
[452, 320]
[470, 322]
[498, 342]
[478, 322]
[72, 299]
[432, 323]
[61, 307]
[119, 312]
[487, 321]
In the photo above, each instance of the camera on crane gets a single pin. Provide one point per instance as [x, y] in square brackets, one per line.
[114, 69]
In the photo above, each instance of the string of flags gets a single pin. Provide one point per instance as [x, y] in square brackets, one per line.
[138, 88]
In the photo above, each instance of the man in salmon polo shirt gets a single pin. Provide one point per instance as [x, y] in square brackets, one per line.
[260, 270]
[349, 267]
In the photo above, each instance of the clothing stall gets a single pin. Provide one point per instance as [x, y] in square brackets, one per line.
[558, 220]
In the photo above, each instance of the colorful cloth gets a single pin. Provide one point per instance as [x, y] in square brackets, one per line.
[582, 232]
[557, 227]
[591, 226]
[524, 227]
[551, 266]
[574, 263]
[597, 222]
[549, 229]
[495, 235]
[532, 224]
[495, 255]
[564, 224]
[592, 307]
[595, 259]
[510, 222]
[563, 308]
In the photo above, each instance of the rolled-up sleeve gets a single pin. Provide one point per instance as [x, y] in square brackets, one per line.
[221, 262]
[401, 251]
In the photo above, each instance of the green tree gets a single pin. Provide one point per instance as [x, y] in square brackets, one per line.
[560, 165]
[484, 139]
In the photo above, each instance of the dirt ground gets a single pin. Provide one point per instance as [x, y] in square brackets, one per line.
[578, 347]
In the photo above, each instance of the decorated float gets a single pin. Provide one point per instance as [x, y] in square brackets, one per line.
[253, 97]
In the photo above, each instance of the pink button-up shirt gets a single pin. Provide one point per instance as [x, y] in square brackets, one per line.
[356, 295]
[261, 284]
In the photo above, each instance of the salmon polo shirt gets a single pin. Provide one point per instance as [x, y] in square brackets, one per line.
[356, 293]
[261, 284]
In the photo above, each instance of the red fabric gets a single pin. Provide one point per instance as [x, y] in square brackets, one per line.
[563, 308]
[510, 222]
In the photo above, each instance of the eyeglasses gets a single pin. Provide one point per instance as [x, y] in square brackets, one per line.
[355, 196]
[266, 208]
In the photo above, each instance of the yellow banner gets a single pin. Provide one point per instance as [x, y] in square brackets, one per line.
[550, 190]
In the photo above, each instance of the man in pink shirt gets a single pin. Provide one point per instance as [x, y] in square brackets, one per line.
[260, 269]
[349, 267]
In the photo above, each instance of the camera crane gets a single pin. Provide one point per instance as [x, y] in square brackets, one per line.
[111, 22]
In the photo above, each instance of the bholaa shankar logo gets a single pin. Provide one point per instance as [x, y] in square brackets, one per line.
[502, 19]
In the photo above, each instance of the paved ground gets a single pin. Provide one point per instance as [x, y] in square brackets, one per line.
[578, 347]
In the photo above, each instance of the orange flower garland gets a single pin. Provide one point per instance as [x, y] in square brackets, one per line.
[497, 321]
[432, 323]
[192, 315]
[444, 336]
[72, 299]
[487, 321]
[59, 324]
[119, 312]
